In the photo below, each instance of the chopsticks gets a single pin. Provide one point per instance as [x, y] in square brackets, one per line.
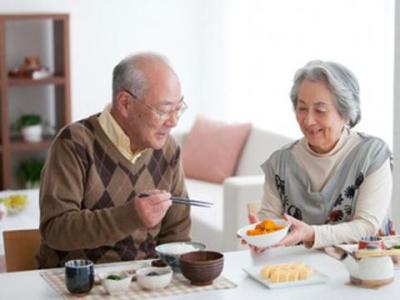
[181, 200]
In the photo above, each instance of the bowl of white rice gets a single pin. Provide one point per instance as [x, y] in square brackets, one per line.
[171, 252]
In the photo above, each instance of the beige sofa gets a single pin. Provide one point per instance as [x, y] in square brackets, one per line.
[217, 226]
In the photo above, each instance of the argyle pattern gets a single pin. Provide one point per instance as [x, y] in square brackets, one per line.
[110, 180]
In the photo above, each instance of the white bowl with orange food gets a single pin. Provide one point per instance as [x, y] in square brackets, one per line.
[265, 233]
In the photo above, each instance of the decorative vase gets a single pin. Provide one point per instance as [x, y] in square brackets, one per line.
[32, 133]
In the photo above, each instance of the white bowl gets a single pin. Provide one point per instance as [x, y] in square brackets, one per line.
[171, 252]
[113, 286]
[266, 239]
[154, 282]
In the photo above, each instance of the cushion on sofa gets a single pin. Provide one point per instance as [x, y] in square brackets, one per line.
[212, 149]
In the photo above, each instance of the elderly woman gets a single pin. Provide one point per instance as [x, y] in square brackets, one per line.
[333, 185]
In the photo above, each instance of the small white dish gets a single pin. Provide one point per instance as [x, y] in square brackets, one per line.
[265, 239]
[315, 278]
[153, 278]
[113, 285]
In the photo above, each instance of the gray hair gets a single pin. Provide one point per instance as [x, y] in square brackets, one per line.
[341, 82]
[129, 74]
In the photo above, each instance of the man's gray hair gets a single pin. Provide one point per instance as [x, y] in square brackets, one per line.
[129, 74]
[341, 82]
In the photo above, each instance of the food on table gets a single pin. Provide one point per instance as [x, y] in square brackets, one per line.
[278, 273]
[266, 226]
[115, 277]
[15, 203]
[158, 263]
[181, 248]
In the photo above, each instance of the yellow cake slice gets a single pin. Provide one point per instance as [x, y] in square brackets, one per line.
[278, 273]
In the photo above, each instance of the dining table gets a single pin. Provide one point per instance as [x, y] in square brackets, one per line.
[28, 218]
[31, 285]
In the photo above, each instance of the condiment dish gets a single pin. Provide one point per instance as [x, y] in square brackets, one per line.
[153, 278]
[116, 282]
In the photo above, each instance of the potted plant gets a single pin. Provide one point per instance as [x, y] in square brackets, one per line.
[29, 172]
[31, 127]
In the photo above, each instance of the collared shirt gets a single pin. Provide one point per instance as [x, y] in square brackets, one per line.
[117, 136]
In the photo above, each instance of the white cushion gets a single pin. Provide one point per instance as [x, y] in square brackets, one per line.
[260, 145]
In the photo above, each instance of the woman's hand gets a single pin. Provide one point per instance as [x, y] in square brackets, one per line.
[252, 220]
[299, 232]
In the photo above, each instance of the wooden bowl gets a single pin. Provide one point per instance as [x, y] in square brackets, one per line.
[202, 267]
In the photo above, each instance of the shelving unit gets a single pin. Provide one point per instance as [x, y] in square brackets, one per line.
[60, 82]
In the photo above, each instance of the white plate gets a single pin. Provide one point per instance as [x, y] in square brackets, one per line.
[315, 278]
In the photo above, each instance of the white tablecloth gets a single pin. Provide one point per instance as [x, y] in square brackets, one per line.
[336, 288]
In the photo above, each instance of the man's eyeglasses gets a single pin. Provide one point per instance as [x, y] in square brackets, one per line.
[163, 115]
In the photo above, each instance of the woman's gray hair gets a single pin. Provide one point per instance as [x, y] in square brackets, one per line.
[129, 74]
[341, 82]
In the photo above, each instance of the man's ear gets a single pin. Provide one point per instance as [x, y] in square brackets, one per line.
[122, 104]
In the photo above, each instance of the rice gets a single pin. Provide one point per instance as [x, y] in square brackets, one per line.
[179, 249]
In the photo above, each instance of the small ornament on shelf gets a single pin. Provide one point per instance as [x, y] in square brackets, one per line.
[31, 127]
[30, 69]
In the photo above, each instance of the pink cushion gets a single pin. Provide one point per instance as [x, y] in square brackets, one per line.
[212, 149]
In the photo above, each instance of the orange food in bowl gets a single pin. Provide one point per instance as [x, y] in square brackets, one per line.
[266, 226]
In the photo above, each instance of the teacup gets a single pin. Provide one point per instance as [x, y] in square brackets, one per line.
[79, 276]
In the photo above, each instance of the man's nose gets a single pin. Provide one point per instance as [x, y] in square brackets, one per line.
[173, 120]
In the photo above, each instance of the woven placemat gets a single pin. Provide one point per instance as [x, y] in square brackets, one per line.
[179, 285]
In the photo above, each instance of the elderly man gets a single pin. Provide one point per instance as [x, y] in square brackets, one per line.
[91, 205]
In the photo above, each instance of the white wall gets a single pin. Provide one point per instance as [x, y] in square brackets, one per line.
[236, 58]
[104, 32]
[269, 40]
[396, 117]
[211, 42]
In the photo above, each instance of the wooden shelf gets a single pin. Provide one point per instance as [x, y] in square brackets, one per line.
[57, 80]
[12, 148]
[19, 145]
[27, 17]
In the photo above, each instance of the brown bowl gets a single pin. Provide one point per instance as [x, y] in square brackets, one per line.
[202, 267]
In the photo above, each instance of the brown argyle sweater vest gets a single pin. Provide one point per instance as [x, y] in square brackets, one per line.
[87, 193]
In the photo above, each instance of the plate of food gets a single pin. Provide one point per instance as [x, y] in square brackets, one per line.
[286, 275]
[265, 233]
[15, 203]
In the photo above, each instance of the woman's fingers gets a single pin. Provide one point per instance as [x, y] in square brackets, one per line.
[257, 250]
[252, 218]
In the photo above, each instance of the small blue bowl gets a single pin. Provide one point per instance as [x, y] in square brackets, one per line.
[170, 253]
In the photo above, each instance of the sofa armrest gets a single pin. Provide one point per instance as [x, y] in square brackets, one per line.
[238, 192]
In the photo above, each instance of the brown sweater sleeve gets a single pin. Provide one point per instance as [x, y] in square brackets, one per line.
[176, 224]
[64, 223]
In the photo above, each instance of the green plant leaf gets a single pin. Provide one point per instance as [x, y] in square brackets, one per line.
[29, 120]
[29, 170]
